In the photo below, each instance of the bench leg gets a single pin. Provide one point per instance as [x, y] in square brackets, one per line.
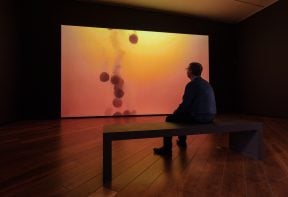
[249, 143]
[107, 159]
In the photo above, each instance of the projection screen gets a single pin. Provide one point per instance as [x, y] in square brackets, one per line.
[113, 72]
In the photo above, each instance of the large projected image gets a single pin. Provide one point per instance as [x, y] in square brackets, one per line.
[112, 72]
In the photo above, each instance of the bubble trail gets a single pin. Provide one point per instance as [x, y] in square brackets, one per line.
[126, 112]
[104, 76]
[117, 102]
[133, 38]
[117, 113]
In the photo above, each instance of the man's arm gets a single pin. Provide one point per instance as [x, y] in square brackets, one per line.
[187, 99]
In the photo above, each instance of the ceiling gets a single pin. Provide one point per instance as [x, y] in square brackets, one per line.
[229, 11]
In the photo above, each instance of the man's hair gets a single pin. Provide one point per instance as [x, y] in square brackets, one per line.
[195, 68]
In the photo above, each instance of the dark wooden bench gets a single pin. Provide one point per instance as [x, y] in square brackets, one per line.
[244, 137]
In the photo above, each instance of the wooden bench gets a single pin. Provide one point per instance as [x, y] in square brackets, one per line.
[244, 137]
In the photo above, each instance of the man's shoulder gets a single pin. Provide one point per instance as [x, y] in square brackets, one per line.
[200, 80]
[201, 83]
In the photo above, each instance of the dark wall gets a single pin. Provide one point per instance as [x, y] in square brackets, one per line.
[263, 66]
[29, 60]
[39, 43]
[252, 79]
[38, 29]
[8, 66]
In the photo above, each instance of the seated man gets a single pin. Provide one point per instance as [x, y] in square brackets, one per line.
[198, 106]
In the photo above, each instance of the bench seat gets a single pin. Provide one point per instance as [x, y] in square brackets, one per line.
[244, 137]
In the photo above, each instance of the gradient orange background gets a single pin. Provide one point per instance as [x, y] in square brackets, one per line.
[153, 69]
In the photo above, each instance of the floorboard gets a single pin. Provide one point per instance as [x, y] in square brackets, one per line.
[64, 158]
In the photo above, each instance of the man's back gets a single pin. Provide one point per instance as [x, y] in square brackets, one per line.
[198, 101]
[204, 100]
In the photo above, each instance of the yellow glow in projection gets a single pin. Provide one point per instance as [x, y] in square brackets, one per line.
[112, 72]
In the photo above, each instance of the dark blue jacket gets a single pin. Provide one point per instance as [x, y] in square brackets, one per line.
[198, 101]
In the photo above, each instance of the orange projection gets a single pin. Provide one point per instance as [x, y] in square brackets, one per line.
[110, 72]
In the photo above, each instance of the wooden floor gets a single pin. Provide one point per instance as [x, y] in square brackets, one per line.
[64, 158]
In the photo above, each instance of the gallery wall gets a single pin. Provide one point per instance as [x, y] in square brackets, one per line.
[8, 66]
[34, 71]
[263, 62]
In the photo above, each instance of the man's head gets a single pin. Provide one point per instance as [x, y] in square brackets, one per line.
[194, 70]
